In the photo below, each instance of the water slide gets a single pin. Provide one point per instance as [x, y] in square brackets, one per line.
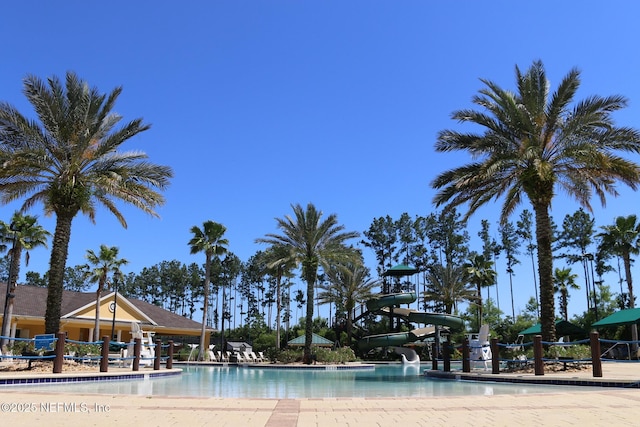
[383, 305]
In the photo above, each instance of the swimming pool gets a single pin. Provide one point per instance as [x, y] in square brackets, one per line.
[255, 382]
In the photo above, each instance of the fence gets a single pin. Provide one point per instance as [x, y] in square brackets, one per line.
[59, 349]
[539, 359]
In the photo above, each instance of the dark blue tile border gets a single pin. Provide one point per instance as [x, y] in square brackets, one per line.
[36, 380]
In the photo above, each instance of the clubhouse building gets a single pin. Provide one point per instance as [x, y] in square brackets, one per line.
[78, 313]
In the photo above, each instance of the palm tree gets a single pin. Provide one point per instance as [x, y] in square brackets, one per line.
[622, 239]
[480, 273]
[209, 240]
[69, 162]
[313, 243]
[564, 280]
[533, 144]
[347, 285]
[100, 265]
[447, 286]
[24, 234]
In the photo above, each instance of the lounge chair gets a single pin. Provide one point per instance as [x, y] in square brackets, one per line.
[256, 358]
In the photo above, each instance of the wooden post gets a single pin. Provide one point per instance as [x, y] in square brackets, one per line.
[170, 355]
[434, 356]
[466, 363]
[537, 355]
[136, 354]
[446, 356]
[59, 360]
[495, 356]
[104, 360]
[158, 353]
[596, 362]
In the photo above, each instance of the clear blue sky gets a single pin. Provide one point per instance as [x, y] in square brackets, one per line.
[260, 104]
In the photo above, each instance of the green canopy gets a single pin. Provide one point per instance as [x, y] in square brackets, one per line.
[316, 340]
[400, 270]
[622, 317]
[562, 328]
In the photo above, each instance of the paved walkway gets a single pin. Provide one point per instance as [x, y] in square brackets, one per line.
[604, 406]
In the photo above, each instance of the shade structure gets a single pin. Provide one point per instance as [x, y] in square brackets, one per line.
[316, 340]
[562, 328]
[400, 270]
[629, 316]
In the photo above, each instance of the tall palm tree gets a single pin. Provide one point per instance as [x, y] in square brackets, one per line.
[68, 161]
[564, 280]
[623, 239]
[447, 286]
[347, 285]
[533, 144]
[22, 234]
[313, 243]
[208, 239]
[100, 266]
[481, 274]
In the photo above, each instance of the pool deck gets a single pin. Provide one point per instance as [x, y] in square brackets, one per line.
[608, 406]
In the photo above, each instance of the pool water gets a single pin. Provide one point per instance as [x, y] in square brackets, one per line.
[249, 382]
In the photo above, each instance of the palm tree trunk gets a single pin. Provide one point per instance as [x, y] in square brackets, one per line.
[545, 271]
[627, 271]
[57, 265]
[205, 291]
[308, 333]
[13, 279]
[96, 330]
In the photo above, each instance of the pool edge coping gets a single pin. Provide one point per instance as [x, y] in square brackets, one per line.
[538, 380]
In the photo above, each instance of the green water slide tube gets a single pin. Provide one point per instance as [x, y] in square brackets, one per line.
[454, 322]
[387, 340]
[376, 303]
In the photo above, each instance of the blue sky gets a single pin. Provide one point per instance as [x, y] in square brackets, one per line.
[257, 105]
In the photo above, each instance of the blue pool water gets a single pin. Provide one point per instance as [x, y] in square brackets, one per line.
[234, 382]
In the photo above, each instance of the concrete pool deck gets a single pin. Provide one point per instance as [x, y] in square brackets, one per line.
[586, 406]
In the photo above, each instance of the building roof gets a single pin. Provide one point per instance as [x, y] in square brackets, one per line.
[316, 340]
[32, 300]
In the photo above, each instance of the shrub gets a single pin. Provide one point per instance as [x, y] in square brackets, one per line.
[341, 355]
[290, 356]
